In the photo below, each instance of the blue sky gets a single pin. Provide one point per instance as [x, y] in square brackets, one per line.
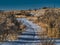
[27, 4]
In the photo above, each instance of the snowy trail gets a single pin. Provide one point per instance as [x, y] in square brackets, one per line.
[31, 30]
[27, 36]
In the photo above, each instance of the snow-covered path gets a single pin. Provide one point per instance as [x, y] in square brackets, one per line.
[29, 36]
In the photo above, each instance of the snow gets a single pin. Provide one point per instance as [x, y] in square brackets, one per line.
[31, 29]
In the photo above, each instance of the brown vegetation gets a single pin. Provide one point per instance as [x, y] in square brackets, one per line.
[52, 19]
[9, 27]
